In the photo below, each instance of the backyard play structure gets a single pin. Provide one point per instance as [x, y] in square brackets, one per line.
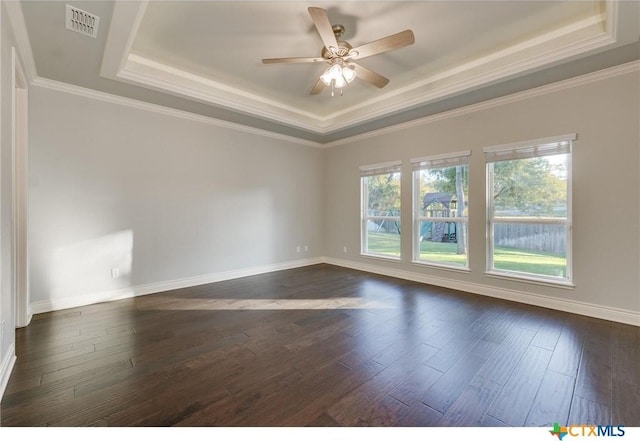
[439, 205]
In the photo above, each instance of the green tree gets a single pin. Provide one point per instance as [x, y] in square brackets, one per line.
[384, 194]
[533, 187]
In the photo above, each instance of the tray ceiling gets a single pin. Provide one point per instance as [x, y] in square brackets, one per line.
[209, 52]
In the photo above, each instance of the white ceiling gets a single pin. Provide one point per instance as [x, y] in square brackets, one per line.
[209, 52]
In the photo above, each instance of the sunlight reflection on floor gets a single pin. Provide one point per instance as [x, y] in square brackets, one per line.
[170, 304]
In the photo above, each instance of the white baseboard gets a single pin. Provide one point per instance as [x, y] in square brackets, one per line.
[7, 366]
[140, 290]
[572, 306]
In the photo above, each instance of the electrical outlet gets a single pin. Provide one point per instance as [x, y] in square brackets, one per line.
[115, 272]
[306, 248]
[298, 249]
[344, 249]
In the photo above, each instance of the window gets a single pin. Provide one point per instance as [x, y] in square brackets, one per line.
[440, 209]
[380, 212]
[529, 209]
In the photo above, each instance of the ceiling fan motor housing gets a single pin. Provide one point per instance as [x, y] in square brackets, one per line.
[343, 49]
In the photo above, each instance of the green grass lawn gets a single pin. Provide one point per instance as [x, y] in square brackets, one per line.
[384, 243]
[508, 259]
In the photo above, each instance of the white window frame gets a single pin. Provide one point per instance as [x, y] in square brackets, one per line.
[522, 150]
[375, 170]
[429, 163]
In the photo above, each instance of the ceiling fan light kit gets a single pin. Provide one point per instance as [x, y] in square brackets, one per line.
[338, 75]
[341, 56]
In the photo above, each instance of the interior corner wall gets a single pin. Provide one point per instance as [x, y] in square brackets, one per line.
[7, 304]
[606, 117]
[159, 198]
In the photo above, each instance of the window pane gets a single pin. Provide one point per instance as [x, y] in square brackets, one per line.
[382, 241]
[443, 192]
[382, 234]
[383, 193]
[443, 243]
[531, 187]
[531, 248]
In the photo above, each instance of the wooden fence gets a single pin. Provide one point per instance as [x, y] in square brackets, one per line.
[534, 237]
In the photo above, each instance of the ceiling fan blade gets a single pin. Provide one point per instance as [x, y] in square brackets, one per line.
[370, 76]
[317, 88]
[323, 25]
[386, 44]
[292, 60]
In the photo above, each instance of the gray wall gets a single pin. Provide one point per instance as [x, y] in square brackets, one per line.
[162, 198]
[7, 283]
[605, 115]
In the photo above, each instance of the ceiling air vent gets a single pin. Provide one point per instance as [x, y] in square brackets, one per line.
[82, 21]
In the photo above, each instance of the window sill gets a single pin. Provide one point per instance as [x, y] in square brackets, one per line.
[564, 284]
[457, 269]
[381, 257]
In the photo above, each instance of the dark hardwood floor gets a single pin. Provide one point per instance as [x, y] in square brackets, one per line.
[321, 346]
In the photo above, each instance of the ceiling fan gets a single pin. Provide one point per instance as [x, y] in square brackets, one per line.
[341, 56]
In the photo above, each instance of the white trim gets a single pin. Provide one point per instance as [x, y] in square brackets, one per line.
[581, 38]
[612, 72]
[16, 19]
[456, 220]
[463, 153]
[492, 220]
[383, 165]
[142, 105]
[531, 220]
[19, 191]
[383, 257]
[165, 79]
[152, 288]
[5, 369]
[530, 278]
[534, 142]
[454, 268]
[128, 16]
[502, 65]
[571, 306]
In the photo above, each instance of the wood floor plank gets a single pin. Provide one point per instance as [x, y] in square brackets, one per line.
[472, 405]
[349, 410]
[516, 397]
[585, 411]
[568, 351]
[385, 413]
[501, 364]
[416, 385]
[321, 346]
[419, 415]
[553, 401]
[333, 393]
[446, 390]
[625, 405]
[594, 381]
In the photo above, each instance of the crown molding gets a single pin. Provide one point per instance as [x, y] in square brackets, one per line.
[489, 69]
[151, 74]
[612, 72]
[156, 108]
[582, 38]
[16, 19]
[120, 38]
